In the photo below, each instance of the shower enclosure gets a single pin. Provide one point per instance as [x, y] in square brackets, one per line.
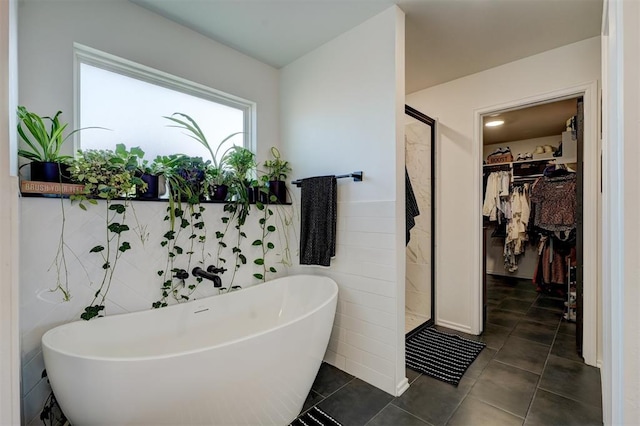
[420, 273]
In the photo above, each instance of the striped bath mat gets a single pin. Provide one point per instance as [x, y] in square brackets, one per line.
[315, 417]
[440, 355]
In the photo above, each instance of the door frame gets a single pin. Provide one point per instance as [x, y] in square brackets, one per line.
[432, 123]
[591, 203]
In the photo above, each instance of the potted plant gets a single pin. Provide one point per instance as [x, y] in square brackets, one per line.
[218, 176]
[275, 176]
[149, 173]
[185, 176]
[218, 181]
[109, 175]
[44, 144]
[242, 163]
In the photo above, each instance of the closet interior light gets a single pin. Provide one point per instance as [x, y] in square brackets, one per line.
[494, 123]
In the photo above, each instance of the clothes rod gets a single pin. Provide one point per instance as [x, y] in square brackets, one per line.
[357, 177]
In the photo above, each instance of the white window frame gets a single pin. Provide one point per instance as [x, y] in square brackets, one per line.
[90, 56]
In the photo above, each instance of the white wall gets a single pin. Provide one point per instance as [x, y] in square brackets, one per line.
[9, 243]
[454, 104]
[342, 111]
[47, 31]
[621, 233]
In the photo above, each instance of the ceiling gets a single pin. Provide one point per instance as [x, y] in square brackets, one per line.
[445, 39]
[527, 123]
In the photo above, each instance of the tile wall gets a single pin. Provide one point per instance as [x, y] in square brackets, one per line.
[136, 284]
[364, 332]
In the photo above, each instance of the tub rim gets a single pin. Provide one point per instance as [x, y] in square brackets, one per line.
[332, 296]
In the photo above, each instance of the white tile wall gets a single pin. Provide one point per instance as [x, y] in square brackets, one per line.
[363, 341]
[135, 286]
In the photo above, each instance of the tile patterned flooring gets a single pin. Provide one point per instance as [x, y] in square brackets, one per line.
[529, 374]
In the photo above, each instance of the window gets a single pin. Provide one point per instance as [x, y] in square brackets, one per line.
[131, 100]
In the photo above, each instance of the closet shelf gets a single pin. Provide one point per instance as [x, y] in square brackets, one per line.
[559, 160]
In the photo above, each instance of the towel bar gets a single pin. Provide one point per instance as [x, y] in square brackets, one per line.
[357, 177]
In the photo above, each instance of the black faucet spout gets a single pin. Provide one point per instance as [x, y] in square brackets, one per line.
[199, 272]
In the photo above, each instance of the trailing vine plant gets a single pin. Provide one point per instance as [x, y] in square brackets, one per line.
[174, 278]
[263, 242]
[107, 175]
[51, 413]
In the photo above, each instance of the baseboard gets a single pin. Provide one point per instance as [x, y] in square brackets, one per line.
[454, 326]
[402, 386]
[509, 275]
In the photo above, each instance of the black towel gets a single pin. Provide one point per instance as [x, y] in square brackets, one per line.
[319, 213]
[411, 205]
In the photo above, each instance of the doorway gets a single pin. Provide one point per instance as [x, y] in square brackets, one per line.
[533, 218]
[420, 134]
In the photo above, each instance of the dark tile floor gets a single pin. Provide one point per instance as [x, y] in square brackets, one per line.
[529, 374]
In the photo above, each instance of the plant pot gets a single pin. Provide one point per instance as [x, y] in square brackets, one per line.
[49, 172]
[219, 192]
[153, 186]
[279, 189]
[252, 194]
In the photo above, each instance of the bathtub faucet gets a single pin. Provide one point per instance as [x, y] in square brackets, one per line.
[199, 272]
[213, 270]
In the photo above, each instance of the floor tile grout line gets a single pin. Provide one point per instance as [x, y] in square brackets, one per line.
[409, 412]
[495, 406]
[519, 368]
[380, 411]
[326, 397]
[546, 361]
[565, 396]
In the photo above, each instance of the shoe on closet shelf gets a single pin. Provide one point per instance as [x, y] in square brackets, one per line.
[498, 151]
[558, 152]
[539, 150]
[548, 149]
[525, 156]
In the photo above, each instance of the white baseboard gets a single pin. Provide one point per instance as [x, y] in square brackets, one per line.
[402, 386]
[454, 326]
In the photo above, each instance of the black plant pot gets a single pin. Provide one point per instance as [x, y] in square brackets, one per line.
[219, 192]
[49, 172]
[252, 194]
[153, 186]
[279, 189]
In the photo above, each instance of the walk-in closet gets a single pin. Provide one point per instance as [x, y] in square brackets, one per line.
[532, 228]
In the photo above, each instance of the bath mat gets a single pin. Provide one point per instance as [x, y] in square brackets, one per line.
[440, 355]
[315, 417]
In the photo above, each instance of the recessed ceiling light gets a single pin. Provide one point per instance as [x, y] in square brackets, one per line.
[494, 123]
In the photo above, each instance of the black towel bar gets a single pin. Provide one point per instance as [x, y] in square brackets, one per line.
[357, 177]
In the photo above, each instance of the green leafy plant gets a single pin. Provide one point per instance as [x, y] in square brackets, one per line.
[185, 176]
[44, 143]
[51, 413]
[264, 243]
[174, 278]
[108, 175]
[195, 132]
[276, 169]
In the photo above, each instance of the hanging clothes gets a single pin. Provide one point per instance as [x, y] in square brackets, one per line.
[496, 196]
[516, 238]
[555, 203]
[554, 200]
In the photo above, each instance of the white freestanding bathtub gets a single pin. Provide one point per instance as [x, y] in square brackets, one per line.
[243, 358]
